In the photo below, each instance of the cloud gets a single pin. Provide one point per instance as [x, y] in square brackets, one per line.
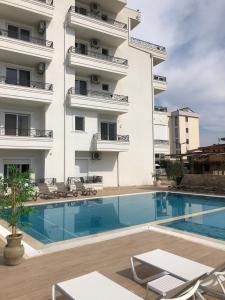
[193, 32]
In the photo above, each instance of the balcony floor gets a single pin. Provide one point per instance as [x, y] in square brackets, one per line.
[34, 277]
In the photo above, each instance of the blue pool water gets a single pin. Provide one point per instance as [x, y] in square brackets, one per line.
[72, 219]
[209, 225]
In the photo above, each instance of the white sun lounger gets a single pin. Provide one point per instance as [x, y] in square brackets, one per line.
[98, 287]
[93, 286]
[168, 263]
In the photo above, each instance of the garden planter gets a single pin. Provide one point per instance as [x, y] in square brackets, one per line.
[14, 250]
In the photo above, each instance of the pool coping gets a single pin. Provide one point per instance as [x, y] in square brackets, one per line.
[35, 248]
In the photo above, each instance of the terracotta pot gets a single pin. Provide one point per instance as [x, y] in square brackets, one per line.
[14, 250]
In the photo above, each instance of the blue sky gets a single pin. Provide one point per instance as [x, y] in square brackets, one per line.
[193, 32]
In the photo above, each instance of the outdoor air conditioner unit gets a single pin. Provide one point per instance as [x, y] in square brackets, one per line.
[95, 8]
[95, 79]
[41, 68]
[42, 27]
[95, 43]
[96, 155]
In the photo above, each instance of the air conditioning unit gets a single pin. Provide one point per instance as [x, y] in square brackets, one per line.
[41, 68]
[95, 79]
[96, 155]
[95, 8]
[95, 43]
[42, 27]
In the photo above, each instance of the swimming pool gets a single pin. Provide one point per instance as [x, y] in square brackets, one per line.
[209, 225]
[72, 219]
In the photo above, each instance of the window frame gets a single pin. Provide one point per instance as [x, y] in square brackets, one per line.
[75, 125]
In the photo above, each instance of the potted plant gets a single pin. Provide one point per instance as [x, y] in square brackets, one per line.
[12, 209]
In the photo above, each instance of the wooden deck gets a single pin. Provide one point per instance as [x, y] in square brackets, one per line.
[32, 280]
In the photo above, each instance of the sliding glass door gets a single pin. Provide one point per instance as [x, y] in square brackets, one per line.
[17, 125]
[108, 131]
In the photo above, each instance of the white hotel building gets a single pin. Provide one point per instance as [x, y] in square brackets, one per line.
[77, 91]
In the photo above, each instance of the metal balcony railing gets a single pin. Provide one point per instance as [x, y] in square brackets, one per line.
[147, 45]
[161, 142]
[116, 138]
[94, 54]
[30, 84]
[159, 78]
[97, 94]
[28, 39]
[18, 132]
[100, 17]
[48, 2]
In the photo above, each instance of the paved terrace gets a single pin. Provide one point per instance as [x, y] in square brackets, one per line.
[34, 277]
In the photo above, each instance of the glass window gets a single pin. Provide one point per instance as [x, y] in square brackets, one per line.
[13, 32]
[186, 119]
[81, 87]
[11, 76]
[79, 123]
[187, 130]
[187, 141]
[20, 167]
[176, 121]
[105, 87]
[17, 125]
[108, 131]
[25, 35]
[105, 52]
[24, 78]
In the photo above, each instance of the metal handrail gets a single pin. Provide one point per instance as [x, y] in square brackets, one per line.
[98, 94]
[30, 39]
[160, 78]
[100, 17]
[36, 133]
[117, 138]
[147, 45]
[48, 2]
[117, 60]
[31, 84]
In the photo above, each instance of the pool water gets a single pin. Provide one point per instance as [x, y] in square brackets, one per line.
[68, 220]
[210, 225]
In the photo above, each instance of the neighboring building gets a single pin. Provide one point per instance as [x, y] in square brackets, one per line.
[161, 133]
[184, 133]
[175, 132]
[74, 91]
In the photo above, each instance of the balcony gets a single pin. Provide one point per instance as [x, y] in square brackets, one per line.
[34, 139]
[158, 52]
[98, 101]
[121, 143]
[99, 26]
[34, 92]
[30, 10]
[90, 62]
[159, 84]
[28, 51]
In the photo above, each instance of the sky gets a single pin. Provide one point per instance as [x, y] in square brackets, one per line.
[193, 31]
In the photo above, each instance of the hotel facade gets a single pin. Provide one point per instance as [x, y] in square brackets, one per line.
[77, 91]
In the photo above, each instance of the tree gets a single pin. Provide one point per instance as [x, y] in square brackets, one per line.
[12, 206]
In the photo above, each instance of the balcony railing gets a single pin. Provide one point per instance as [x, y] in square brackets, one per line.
[161, 142]
[159, 78]
[94, 54]
[18, 132]
[96, 94]
[48, 2]
[31, 84]
[116, 138]
[147, 45]
[28, 39]
[101, 17]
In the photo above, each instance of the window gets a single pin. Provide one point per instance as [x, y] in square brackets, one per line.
[18, 33]
[23, 168]
[176, 132]
[81, 87]
[105, 52]
[105, 87]
[186, 119]
[176, 121]
[79, 124]
[17, 125]
[187, 141]
[81, 48]
[108, 131]
[187, 130]
[20, 77]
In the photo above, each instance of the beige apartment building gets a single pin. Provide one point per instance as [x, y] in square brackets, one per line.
[175, 132]
[77, 91]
